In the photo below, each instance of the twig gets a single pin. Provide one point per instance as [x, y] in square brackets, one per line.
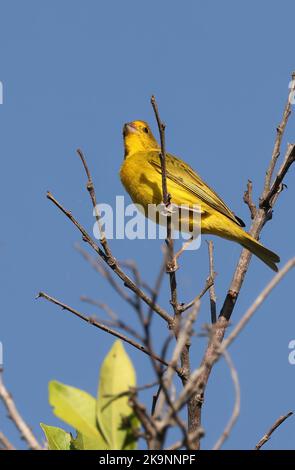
[212, 294]
[115, 320]
[276, 187]
[91, 190]
[137, 278]
[277, 145]
[98, 266]
[16, 418]
[5, 443]
[146, 421]
[171, 264]
[182, 249]
[276, 424]
[112, 263]
[155, 399]
[236, 411]
[182, 340]
[101, 326]
[147, 329]
[155, 293]
[103, 306]
[209, 283]
[162, 126]
[248, 199]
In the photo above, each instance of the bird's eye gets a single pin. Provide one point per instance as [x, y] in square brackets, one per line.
[145, 129]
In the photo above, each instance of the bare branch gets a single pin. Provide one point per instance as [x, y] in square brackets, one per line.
[115, 320]
[162, 126]
[248, 199]
[155, 293]
[276, 187]
[237, 405]
[171, 261]
[137, 278]
[112, 263]
[146, 421]
[212, 288]
[101, 326]
[277, 145]
[98, 266]
[209, 283]
[276, 424]
[5, 443]
[16, 418]
[182, 340]
[91, 190]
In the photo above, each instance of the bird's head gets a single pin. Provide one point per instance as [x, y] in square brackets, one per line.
[138, 137]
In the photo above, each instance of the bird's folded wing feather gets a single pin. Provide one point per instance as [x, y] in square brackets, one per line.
[185, 177]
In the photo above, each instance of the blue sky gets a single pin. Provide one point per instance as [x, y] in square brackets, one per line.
[73, 72]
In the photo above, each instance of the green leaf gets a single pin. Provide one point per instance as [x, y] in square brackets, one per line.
[57, 438]
[83, 442]
[77, 408]
[117, 375]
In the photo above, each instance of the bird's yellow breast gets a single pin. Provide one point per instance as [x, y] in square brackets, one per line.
[144, 183]
[140, 180]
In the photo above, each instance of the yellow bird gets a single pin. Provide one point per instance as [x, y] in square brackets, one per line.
[141, 176]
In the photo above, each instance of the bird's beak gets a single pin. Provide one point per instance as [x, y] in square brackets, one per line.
[129, 128]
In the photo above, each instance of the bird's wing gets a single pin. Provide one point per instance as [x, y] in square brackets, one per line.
[184, 176]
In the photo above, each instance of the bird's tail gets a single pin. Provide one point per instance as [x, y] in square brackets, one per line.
[267, 256]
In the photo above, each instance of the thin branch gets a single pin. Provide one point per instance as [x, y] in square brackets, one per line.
[182, 340]
[148, 340]
[155, 293]
[99, 267]
[209, 283]
[91, 190]
[16, 418]
[170, 265]
[276, 424]
[155, 399]
[5, 443]
[236, 411]
[212, 294]
[162, 126]
[185, 245]
[137, 278]
[146, 421]
[115, 320]
[276, 187]
[171, 262]
[103, 306]
[248, 199]
[101, 326]
[112, 263]
[277, 145]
